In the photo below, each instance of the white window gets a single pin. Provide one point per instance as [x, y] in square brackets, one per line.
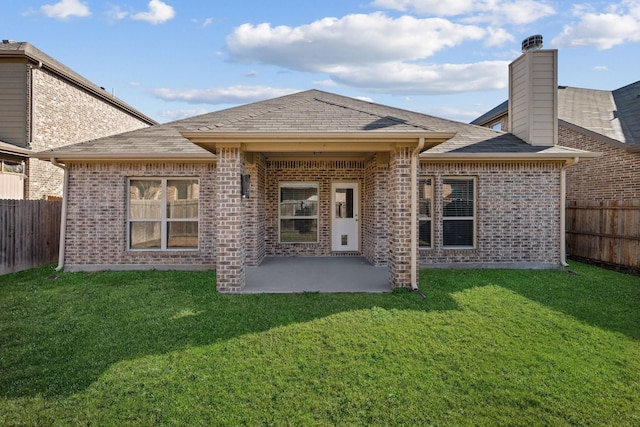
[458, 212]
[298, 212]
[163, 213]
[425, 212]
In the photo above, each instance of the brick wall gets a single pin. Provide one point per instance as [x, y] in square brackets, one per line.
[375, 200]
[323, 172]
[64, 114]
[97, 216]
[231, 236]
[255, 218]
[613, 176]
[518, 214]
[400, 218]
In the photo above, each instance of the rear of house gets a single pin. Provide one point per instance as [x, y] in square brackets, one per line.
[315, 174]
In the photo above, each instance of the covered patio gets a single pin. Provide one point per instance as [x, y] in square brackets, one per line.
[316, 274]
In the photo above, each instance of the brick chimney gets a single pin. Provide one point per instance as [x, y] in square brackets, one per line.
[533, 94]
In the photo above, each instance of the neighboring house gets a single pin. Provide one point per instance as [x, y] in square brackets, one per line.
[317, 174]
[44, 105]
[603, 195]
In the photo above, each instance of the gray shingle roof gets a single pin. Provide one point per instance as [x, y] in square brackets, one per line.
[613, 114]
[309, 111]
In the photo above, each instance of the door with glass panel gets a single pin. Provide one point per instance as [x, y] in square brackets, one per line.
[345, 236]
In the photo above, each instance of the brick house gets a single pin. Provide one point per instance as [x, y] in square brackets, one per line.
[317, 174]
[603, 195]
[43, 105]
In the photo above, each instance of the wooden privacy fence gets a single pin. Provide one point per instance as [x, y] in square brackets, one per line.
[29, 233]
[607, 232]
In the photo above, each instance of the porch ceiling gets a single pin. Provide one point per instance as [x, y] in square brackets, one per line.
[320, 142]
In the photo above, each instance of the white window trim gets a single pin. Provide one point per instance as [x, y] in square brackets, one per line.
[163, 215]
[474, 218]
[423, 217]
[316, 216]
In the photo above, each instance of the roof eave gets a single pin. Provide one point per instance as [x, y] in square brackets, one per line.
[317, 141]
[14, 150]
[568, 157]
[62, 156]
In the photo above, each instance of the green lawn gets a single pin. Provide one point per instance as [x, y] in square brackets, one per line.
[163, 348]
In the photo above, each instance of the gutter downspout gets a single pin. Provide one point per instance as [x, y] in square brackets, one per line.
[414, 215]
[63, 219]
[563, 210]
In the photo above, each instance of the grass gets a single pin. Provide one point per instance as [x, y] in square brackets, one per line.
[491, 347]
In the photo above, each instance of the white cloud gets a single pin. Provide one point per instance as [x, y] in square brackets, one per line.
[158, 13]
[354, 39]
[207, 22]
[600, 68]
[114, 13]
[619, 24]
[364, 98]
[227, 95]
[418, 79]
[375, 52]
[494, 11]
[326, 83]
[454, 113]
[65, 9]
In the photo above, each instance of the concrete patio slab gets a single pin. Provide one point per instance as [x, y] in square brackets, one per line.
[311, 274]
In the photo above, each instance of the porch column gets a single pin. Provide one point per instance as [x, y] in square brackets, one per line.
[231, 247]
[400, 218]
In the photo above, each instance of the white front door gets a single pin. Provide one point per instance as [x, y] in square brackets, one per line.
[344, 218]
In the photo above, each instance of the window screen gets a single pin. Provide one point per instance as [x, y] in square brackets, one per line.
[458, 212]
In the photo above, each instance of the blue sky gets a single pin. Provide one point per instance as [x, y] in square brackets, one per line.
[172, 59]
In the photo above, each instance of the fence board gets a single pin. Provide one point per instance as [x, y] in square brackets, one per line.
[607, 232]
[29, 233]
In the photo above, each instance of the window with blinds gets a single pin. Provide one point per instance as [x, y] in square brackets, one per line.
[425, 212]
[298, 212]
[458, 212]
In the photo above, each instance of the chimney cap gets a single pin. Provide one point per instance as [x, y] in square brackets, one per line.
[532, 43]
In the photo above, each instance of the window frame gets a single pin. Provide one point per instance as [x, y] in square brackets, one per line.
[422, 218]
[298, 184]
[164, 219]
[473, 218]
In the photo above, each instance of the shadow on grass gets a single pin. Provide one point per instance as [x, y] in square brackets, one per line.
[59, 336]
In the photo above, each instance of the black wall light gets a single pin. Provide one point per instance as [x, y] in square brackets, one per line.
[245, 185]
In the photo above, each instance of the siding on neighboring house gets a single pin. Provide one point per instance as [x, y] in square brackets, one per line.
[533, 109]
[14, 103]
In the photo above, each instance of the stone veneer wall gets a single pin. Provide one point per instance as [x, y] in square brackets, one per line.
[518, 215]
[613, 176]
[65, 114]
[97, 217]
[323, 172]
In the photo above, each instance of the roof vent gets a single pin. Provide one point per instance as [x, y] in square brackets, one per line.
[5, 41]
[532, 43]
